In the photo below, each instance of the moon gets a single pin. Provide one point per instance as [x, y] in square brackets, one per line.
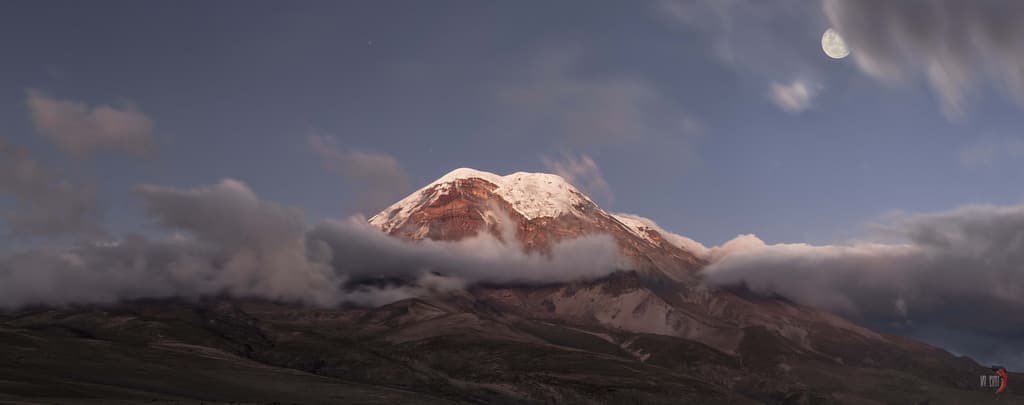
[833, 45]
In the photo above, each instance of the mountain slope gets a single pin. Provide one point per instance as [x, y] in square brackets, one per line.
[663, 297]
[542, 208]
[651, 334]
[450, 349]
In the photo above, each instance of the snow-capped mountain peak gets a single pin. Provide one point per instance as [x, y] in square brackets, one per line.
[538, 210]
[532, 195]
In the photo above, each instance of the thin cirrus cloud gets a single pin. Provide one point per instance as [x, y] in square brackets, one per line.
[956, 272]
[379, 177]
[953, 44]
[82, 130]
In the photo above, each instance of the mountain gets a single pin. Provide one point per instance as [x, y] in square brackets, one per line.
[542, 208]
[663, 297]
[651, 333]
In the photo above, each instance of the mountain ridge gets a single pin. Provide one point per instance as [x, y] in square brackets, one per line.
[465, 201]
[652, 333]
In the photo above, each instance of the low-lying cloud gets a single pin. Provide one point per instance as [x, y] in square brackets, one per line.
[262, 244]
[360, 250]
[242, 246]
[42, 204]
[957, 273]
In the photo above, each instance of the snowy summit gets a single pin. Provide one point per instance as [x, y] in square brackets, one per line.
[533, 195]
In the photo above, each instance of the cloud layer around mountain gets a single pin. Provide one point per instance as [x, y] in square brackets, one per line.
[43, 204]
[956, 273]
[240, 245]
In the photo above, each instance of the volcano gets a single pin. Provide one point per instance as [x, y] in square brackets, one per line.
[542, 208]
[650, 333]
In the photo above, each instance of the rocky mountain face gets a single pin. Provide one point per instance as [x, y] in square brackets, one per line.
[662, 297]
[541, 208]
[649, 334]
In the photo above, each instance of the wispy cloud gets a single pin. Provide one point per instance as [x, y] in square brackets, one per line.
[378, 178]
[589, 111]
[795, 97]
[238, 244]
[951, 43]
[990, 152]
[746, 34]
[955, 271]
[581, 172]
[81, 130]
[44, 204]
[762, 40]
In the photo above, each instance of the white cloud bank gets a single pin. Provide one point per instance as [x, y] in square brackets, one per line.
[958, 272]
[242, 246]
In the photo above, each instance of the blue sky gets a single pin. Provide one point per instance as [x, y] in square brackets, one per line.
[693, 138]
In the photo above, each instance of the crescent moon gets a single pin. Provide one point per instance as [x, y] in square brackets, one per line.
[833, 45]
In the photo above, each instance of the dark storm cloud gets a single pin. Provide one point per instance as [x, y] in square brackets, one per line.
[42, 203]
[958, 273]
[243, 246]
[135, 268]
[952, 43]
[378, 176]
[81, 130]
